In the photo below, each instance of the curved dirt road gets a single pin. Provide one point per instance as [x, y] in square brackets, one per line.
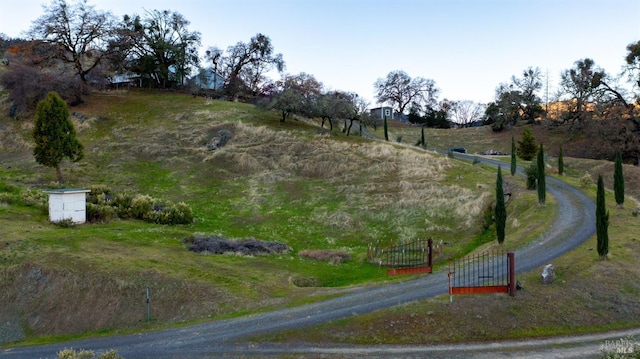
[574, 225]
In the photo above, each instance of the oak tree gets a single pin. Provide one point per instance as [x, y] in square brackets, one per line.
[82, 34]
[161, 48]
[401, 90]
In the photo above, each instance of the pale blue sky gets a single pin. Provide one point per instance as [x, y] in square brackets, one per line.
[467, 47]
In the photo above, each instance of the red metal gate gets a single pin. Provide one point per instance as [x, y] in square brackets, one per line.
[404, 258]
[488, 272]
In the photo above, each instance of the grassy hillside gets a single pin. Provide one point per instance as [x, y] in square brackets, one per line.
[287, 182]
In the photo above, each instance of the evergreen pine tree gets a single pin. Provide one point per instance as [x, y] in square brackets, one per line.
[513, 156]
[527, 146]
[541, 177]
[561, 162]
[500, 210]
[602, 221]
[386, 130]
[54, 134]
[618, 180]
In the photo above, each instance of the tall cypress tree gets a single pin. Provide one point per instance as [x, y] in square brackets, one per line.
[618, 180]
[561, 162]
[54, 134]
[386, 130]
[541, 177]
[501, 210]
[602, 221]
[513, 156]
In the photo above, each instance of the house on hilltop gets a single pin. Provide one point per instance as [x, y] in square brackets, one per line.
[382, 112]
[207, 79]
[387, 112]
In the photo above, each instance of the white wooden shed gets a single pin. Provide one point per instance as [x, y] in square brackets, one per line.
[68, 204]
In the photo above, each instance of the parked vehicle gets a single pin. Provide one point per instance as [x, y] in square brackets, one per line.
[492, 152]
[458, 149]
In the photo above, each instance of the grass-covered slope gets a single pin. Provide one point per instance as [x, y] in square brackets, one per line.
[287, 182]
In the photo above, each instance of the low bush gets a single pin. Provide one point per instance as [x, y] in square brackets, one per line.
[304, 281]
[586, 181]
[141, 206]
[8, 198]
[103, 206]
[35, 198]
[97, 213]
[488, 216]
[87, 354]
[8, 188]
[65, 223]
[532, 175]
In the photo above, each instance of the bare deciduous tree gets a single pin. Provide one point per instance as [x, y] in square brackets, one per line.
[81, 33]
[246, 64]
[401, 90]
[466, 112]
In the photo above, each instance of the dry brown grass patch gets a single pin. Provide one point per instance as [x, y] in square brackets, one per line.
[333, 257]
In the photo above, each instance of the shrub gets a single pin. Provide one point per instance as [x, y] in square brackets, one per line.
[532, 175]
[97, 213]
[87, 354]
[141, 206]
[179, 213]
[65, 223]
[488, 216]
[123, 204]
[586, 180]
[35, 198]
[304, 281]
[8, 198]
[110, 354]
[99, 189]
[527, 146]
[7, 188]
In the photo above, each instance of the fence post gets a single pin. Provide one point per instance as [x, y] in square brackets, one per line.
[512, 274]
[430, 253]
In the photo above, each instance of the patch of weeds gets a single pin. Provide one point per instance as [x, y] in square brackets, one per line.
[65, 223]
[586, 181]
[333, 257]
[304, 281]
[87, 354]
[34, 198]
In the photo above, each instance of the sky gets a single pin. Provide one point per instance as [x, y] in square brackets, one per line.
[468, 47]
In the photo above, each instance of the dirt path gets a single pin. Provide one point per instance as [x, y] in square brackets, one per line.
[574, 225]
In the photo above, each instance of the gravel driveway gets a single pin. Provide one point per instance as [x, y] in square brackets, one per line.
[574, 225]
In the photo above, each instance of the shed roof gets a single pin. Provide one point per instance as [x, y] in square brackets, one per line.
[67, 190]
